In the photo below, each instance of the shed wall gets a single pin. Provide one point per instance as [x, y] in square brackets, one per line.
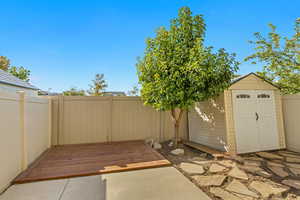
[207, 123]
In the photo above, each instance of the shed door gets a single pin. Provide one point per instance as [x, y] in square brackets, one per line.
[255, 120]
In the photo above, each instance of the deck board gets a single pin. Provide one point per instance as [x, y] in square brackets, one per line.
[66, 161]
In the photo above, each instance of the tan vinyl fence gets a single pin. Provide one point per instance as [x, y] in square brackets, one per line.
[106, 119]
[25, 133]
[291, 116]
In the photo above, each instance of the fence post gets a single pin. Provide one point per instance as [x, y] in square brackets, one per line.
[60, 120]
[24, 163]
[49, 122]
[109, 136]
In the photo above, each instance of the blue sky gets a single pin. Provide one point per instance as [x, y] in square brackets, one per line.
[65, 43]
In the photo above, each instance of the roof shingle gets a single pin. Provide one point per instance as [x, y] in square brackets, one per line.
[9, 79]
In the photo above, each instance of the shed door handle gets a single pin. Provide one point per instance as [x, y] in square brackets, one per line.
[257, 117]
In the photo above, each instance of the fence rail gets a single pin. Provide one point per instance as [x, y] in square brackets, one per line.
[106, 119]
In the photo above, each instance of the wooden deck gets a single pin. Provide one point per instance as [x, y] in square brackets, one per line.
[90, 159]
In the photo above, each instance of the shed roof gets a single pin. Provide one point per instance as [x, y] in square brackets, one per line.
[9, 79]
[235, 80]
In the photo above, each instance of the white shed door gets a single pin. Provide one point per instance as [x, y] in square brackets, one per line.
[255, 120]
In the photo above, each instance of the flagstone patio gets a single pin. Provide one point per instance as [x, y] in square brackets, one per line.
[252, 176]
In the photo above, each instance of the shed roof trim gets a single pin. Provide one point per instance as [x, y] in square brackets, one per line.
[235, 80]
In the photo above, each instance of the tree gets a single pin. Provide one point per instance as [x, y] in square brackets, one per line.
[19, 72]
[73, 91]
[177, 70]
[134, 91]
[281, 58]
[4, 63]
[98, 85]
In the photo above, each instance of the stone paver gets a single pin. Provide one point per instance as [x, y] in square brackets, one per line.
[244, 197]
[252, 169]
[297, 166]
[295, 171]
[227, 163]
[198, 159]
[237, 173]
[237, 158]
[157, 145]
[177, 152]
[279, 171]
[292, 183]
[293, 160]
[256, 170]
[263, 173]
[252, 163]
[223, 194]
[213, 180]
[289, 155]
[255, 158]
[267, 189]
[237, 187]
[215, 168]
[269, 155]
[192, 168]
[275, 164]
[204, 163]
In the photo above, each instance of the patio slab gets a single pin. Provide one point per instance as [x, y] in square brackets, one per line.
[46, 190]
[164, 183]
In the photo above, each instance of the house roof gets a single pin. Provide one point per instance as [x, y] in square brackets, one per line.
[235, 80]
[9, 79]
[114, 93]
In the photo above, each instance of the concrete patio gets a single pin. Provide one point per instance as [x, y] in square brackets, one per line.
[149, 184]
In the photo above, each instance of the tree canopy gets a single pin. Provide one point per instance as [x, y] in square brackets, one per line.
[98, 85]
[73, 91]
[281, 58]
[19, 72]
[134, 91]
[177, 70]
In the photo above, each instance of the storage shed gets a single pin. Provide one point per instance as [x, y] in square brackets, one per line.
[247, 117]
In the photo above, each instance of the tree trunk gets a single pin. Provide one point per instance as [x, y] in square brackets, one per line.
[176, 128]
[176, 120]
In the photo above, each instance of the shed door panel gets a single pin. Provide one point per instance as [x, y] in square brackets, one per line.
[255, 120]
[244, 107]
[267, 122]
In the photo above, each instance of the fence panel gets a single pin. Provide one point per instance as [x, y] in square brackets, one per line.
[36, 120]
[291, 116]
[83, 119]
[11, 139]
[101, 119]
[24, 132]
[133, 121]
